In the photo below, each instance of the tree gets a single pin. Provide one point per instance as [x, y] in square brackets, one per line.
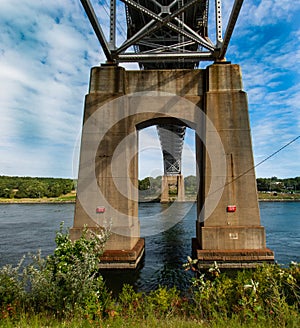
[31, 188]
[144, 184]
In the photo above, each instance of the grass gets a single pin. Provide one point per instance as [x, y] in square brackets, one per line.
[278, 196]
[68, 198]
[71, 197]
[38, 321]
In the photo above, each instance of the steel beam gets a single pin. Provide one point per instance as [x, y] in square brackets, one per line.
[112, 27]
[162, 48]
[135, 38]
[97, 28]
[218, 10]
[170, 26]
[188, 57]
[163, 22]
[230, 27]
[209, 44]
[171, 140]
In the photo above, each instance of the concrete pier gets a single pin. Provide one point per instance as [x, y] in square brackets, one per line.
[210, 101]
[172, 180]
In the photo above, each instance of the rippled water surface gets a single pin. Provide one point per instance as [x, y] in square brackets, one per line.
[167, 231]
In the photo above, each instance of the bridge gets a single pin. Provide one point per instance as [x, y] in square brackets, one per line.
[168, 39]
[171, 138]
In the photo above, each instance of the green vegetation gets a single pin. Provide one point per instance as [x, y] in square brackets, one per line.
[66, 290]
[21, 189]
[27, 187]
[150, 189]
[278, 196]
[64, 283]
[289, 185]
[268, 188]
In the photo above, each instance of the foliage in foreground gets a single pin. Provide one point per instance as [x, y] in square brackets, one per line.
[62, 284]
[65, 288]
[149, 322]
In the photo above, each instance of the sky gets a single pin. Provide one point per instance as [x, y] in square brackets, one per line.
[48, 47]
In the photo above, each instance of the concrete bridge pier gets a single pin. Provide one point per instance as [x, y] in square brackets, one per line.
[210, 101]
[169, 181]
[228, 226]
[107, 191]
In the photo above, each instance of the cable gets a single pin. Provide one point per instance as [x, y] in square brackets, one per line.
[276, 152]
[261, 162]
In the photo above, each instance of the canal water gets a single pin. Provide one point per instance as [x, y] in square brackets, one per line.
[167, 230]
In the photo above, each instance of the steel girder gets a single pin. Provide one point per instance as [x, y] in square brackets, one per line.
[165, 33]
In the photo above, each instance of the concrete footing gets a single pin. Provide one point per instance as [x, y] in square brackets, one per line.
[231, 258]
[123, 259]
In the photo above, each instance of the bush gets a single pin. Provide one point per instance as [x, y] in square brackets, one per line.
[268, 291]
[64, 283]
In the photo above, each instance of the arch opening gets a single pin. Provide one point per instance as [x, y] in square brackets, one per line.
[151, 166]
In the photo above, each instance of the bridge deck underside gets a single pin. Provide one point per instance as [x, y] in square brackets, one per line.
[167, 39]
[171, 139]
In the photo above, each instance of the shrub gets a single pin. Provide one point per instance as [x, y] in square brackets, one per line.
[268, 291]
[63, 283]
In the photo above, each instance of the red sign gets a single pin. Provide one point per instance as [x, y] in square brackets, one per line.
[100, 209]
[231, 208]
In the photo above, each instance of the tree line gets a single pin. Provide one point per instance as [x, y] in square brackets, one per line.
[291, 185]
[29, 187]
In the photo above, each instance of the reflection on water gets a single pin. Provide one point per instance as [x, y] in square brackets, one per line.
[165, 251]
[167, 229]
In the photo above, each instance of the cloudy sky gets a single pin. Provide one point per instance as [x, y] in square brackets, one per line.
[48, 47]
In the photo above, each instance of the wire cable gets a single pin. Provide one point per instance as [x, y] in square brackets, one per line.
[270, 156]
[261, 162]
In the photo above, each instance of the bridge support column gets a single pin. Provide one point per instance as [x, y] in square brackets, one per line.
[228, 226]
[172, 180]
[107, 190]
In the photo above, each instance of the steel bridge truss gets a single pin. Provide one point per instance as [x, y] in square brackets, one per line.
[171, 140]
[166, 31]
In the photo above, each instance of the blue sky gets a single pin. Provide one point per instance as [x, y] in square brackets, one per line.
[48, 47]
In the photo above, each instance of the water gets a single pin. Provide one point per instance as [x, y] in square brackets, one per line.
[167, 230]
[27, 228]
[282, 224]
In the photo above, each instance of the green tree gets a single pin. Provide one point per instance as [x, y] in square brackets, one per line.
[32, 188]
[191, 185]
[144, 184]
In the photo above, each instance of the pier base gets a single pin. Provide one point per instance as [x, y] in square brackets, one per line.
[231, 259]
[123, 256]
[123, 259]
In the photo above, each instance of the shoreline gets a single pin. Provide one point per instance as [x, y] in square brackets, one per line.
[4, 201]
[67, 201]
